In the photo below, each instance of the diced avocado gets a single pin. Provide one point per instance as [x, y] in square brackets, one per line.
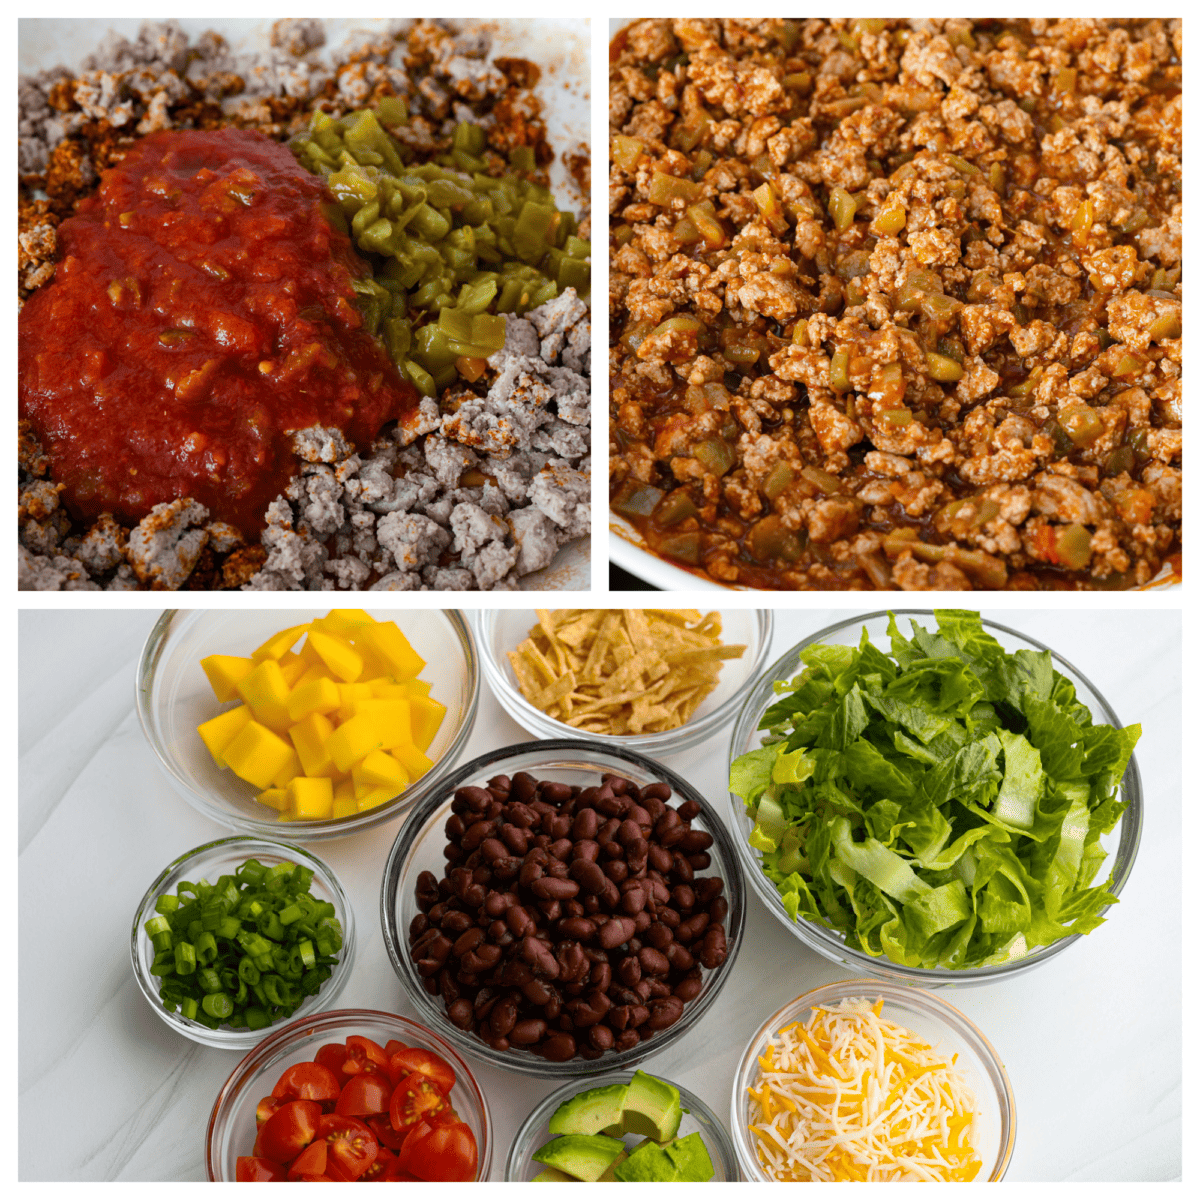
[652, 1108]
[610, 1176]
[554, 1175]
[593, 1111]
[690, 1156]
[584, 1157]
[649, 1163]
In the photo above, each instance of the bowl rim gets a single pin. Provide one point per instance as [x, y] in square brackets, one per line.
[899, 993]
[669, 741]
[830, 944]
[522, 1062]
[237, 1039]
[542, 1110]
[331, 827]
[325, 1021]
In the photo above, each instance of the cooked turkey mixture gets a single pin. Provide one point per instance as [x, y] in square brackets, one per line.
[897, 303]
[473, 490]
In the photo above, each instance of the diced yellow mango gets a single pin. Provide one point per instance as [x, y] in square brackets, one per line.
[345, 803]
[319, 695]
[292, 666]
[350, 694]
[310, 656]
[276, 646]
[311, 672]
[266, 691]
[287, 772]
[385, 689]
[221, 730]
[426, 719]
[276, 798]
[337, 654]
[354, 740]
[310, 737]
[375, 797]
[380, 769]
[311, 799]
[224, 672]
[386, 641]
[412, 760]
[418, 687]
[257, 754]
[392, 716]
[343, 620]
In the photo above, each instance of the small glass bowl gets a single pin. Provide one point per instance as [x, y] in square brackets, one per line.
[1121, 844]
[928, 1016]
[222, 858]
[232, 1127]
[501, 630]
[418, 847]
[697, 1118]
[174, 696]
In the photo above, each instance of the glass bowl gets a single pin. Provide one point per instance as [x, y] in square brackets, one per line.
[500, 630]
[419, 845]
[928, 1016]
[697, 1118]
[1121, 843]
[174, 696]
[221, 858]
[232, 1128]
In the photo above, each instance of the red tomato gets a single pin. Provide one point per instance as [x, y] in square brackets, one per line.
[361, 1051]
[268, 1106]
[289, 1130]
[364, 1096]
[405, 1062]
[416, 1098]
[311, 1161]
[307, 1081]
[382, 1170]
[393, 1046]
[381, 1127]
[352, 1147]
[333, 1055]
[259, 1170]
[440, 1153]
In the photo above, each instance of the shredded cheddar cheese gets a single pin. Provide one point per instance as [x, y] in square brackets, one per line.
[851, 1096]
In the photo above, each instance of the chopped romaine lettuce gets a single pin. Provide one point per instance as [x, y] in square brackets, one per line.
[942, 804]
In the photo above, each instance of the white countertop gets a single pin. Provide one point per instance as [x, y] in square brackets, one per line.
[1091, 1040]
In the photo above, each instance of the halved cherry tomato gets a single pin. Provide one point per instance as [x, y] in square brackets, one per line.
[405, 1062]
[393, 1047]
[381, 1170]
[440, 1153]
[307, 1081]
[415, 1099]
[352, 1146]
[311, 1161]
[268, 1106]
[364, 1096]
[258, 1170]
[361, 1051]
[332, 1055]
[381, 1127]
[289, 1130]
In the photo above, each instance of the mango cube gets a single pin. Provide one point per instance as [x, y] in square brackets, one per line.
[355, 739]
[221, 730]
[385, 640]
[311, 799]
[380, 769]
[392, 717]
[426, 719]
[292, 666]
[266, 691]
[412, 760]
[276, 646]
[318, 695]
[224, 672]
[343, 621]
[276, 798]
[257, 754]
[345, 803]
[418, 687]
[287, 772]
[375, 797]
[310, 737]
[343, 661]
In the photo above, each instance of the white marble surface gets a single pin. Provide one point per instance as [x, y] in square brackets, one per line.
[1091, 1040]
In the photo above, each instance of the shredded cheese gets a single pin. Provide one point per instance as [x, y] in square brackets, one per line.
[851, 1096]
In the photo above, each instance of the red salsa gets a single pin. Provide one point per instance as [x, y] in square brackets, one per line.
[202, 311]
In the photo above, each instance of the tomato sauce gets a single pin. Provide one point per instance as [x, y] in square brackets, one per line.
[202, 311]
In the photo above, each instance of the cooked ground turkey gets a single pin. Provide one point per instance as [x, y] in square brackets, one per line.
[896, 304]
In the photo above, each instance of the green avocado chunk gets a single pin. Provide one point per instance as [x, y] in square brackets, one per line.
[610, 1175]
[583, 1157]
[553, 1175]
[652, 1108]
[649, 1163]
[690, 1156]
[595, 1111]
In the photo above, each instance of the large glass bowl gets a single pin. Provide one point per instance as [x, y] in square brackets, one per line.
[232, 1128]
[222, 858]
[174, 696]
[419, 845]
[501, 630]
[697, 1118]
[1121, 844]
[928, 1016]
